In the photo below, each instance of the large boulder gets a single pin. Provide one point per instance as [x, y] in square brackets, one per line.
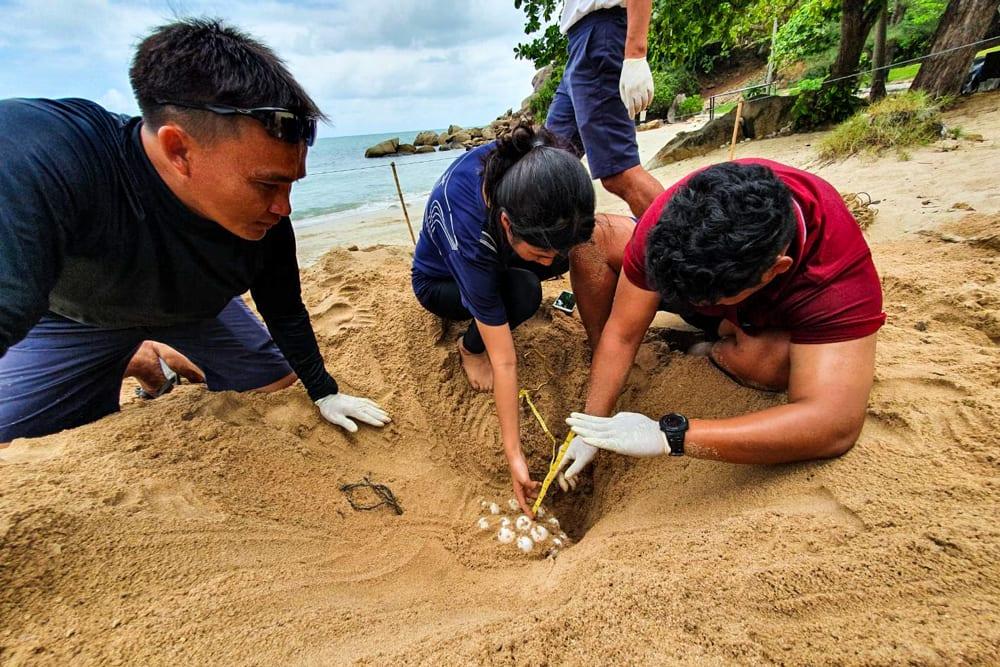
[406, 149]
[489, 134]
[460, 137]
[446, 147]
[425, 149]
[383, 148]
[428, 138]
[476, 132]
[761, 118]
[452, 129]
[443, 138]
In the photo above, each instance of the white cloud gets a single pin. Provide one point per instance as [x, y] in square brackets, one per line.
[119, 102]
[371, 64]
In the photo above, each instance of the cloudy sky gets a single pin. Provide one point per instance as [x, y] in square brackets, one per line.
[372, 65]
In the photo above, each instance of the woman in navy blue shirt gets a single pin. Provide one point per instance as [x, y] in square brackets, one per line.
[502, 218]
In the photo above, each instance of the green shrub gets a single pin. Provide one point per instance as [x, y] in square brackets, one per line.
[913, 34]
[691, 106]
[668, 84]
[543, 97]
[824, 105]
[813, 28]
[895, 122]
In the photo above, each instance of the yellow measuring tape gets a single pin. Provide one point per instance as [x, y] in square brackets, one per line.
[557, 456]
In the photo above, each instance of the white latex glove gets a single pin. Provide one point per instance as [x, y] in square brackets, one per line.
[336, 408]
[580, 454]
[627, 433]
[636, 85]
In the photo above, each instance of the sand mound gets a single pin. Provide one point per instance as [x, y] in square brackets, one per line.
[211, 528]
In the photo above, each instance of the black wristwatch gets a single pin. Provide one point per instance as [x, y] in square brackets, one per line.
[674, 426]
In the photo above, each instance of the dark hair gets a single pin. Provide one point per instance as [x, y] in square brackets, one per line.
[542, 186]
[719, 233]
[205, 61]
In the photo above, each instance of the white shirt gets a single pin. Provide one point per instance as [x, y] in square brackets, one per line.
[574, 10]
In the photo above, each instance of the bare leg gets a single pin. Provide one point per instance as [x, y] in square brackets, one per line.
[594, 269]
[636, 186]
[760, 362]
[477, 368]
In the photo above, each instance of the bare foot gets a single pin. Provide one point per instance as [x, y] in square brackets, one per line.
[477, 368]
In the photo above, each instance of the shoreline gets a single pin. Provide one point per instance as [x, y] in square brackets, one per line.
[386, 226]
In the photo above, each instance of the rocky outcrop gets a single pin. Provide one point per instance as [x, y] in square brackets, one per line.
[761, 118]
[426, 138]
[383, 148]
[455, 138]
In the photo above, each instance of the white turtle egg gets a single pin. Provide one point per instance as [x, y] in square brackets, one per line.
[525, 544]
[554, 522]
[484, 505]
[494, 508]
[557, 543]
[541, 512]
[505, 536]
[563, 536]
[523, 523]
[539, 533]
[512, 504]
[504, 522]
[483, 523]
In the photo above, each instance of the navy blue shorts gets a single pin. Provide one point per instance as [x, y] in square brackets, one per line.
[66, 374]
[587, 108]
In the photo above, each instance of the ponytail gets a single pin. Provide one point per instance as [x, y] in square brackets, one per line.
[541, 183]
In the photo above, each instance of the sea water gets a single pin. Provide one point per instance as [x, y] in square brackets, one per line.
[342, 181]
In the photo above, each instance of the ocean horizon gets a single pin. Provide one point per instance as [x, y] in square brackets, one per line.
[340, 180]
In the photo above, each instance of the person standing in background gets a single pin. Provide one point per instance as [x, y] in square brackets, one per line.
[607, 82]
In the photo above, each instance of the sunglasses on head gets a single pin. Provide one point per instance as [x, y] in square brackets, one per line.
[280, 123]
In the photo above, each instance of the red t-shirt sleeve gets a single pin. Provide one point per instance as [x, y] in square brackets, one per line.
[634, 259]
[848, 307]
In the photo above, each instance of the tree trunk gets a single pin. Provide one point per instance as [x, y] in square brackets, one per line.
[856, 20]
[964, 22]
[879, 60]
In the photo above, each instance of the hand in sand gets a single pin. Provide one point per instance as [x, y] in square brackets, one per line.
[627, 433]
[145, 366]
[339, 409]
[477, 368]
[579, 454]
[525, 489]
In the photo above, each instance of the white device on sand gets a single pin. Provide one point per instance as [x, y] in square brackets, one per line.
[565, 302]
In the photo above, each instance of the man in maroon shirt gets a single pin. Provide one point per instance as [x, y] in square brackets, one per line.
[768, 259]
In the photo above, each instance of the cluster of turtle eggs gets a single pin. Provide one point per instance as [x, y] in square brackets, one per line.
[521, 530]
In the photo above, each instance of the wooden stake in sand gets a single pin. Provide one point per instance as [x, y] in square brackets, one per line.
[399, 191]
[736, 129]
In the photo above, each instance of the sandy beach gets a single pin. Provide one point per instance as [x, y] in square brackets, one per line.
[211, 528]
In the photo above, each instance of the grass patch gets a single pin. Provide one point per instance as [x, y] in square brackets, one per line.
[903, 73]
[894, 123]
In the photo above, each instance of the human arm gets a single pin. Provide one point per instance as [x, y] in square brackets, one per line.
[277, 293]
[38, 205]
[632, 312]
[828, 391]
[637, 35]
[503, 358]
[636, 83]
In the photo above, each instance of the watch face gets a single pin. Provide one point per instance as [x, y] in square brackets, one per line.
[674, 421]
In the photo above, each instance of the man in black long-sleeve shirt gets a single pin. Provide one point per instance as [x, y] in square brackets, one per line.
[114, 230]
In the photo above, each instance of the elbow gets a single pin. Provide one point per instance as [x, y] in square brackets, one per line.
[842, 438]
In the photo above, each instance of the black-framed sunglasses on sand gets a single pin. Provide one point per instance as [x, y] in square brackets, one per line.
[280, 123]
